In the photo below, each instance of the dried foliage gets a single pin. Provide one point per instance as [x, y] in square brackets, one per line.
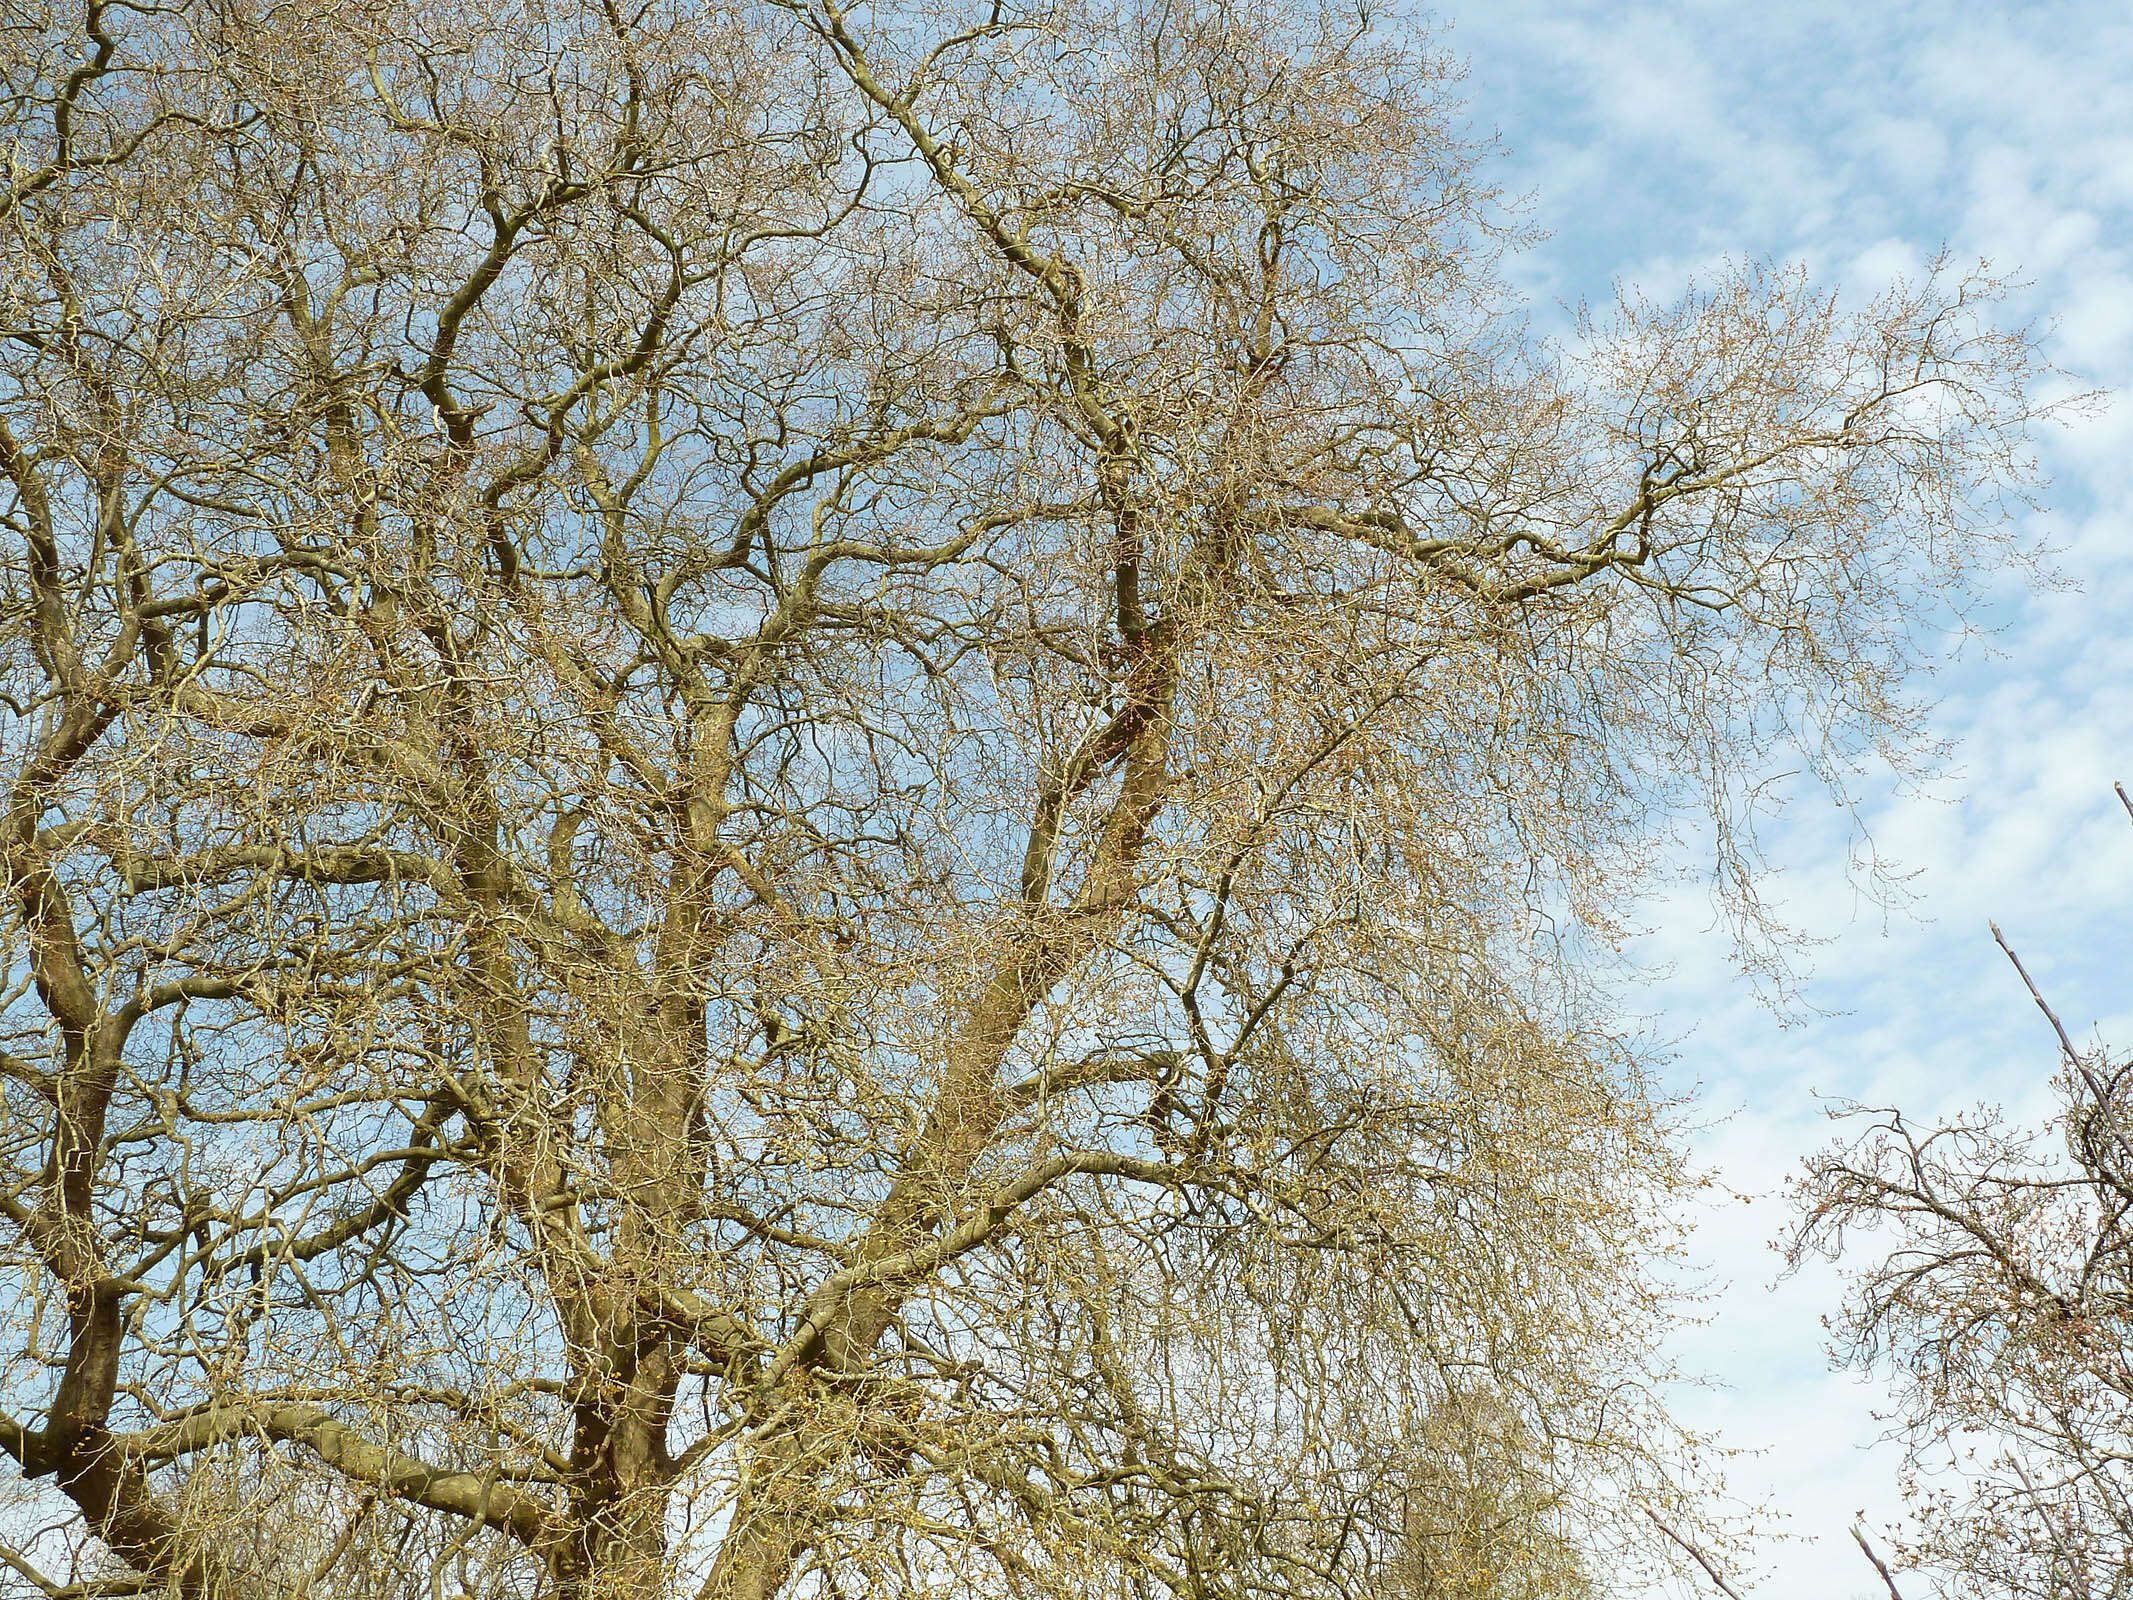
[2003, 1308]
[810, 801]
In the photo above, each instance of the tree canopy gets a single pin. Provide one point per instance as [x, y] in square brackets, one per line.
[816, 801]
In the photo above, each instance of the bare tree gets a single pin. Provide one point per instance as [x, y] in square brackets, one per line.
[2002, 1305]
[815, 801]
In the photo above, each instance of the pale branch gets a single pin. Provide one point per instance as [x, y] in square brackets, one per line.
[474, 1496]
[982, 1222]
[1887, 1577]
[1696, 1554]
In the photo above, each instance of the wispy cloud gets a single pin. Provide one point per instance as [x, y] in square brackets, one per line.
[1656, 139]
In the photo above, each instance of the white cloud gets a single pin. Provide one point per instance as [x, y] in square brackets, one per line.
[1656, 138]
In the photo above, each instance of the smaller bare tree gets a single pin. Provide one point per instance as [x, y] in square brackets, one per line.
[2004, 1310]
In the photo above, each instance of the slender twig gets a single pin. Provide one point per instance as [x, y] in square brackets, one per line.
[2051, 1525]
[1880, 1566]
[2123, 798]
[2101, 1094]
[9, 1558]
[2066, 1044]
[1701, 1559]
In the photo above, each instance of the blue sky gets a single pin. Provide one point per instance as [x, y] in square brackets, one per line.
[1655, 139]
